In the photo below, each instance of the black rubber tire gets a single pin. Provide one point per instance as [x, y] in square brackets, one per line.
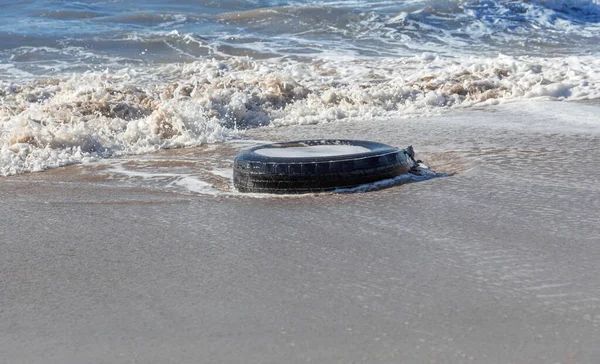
[257, 173]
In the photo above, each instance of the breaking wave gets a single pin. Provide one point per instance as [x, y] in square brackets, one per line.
[51, 122]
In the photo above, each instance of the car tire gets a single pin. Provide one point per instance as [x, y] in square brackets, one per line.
[259, 172]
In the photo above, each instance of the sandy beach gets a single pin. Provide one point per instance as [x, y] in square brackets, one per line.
[123, 240]
[497, 263]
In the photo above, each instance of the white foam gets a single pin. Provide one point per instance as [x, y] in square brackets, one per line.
[312, 151]
[426, 174]
[180, 182]
[49, 123]
[195, 185]
[223, 172]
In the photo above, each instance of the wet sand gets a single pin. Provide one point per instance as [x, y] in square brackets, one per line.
[496, 264]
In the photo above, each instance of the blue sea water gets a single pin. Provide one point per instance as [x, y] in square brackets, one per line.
[42, 36]
[82, 80]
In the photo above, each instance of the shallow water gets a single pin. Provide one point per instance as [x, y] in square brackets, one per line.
[143, 257]
[311, 151]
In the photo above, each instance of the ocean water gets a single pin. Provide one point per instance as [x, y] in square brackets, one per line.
[82, 81]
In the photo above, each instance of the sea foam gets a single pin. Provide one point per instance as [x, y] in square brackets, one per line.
[53, 122]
